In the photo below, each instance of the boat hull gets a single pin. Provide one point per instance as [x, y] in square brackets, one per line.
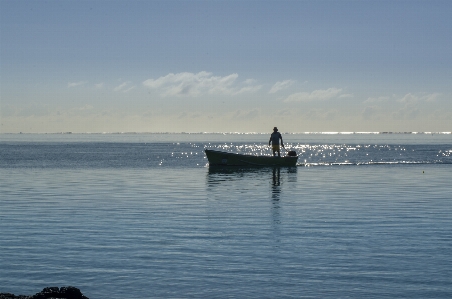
[231, 159]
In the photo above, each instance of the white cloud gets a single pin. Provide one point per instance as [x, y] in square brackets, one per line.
[74, 84]
[432, 97]
[411, 109]
[124, 87]
[249, 89]
[120, 86]
[408, 98]
[281, 85]
[129, 89]
[316, 95]
[190, 84]
[99, 85]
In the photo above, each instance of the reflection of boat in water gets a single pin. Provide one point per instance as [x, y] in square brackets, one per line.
[232, 159]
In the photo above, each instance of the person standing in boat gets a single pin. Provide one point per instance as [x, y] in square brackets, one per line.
[274, 141]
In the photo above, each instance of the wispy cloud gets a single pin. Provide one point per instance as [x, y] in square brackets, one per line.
[408, 98]
[412, 98]
[281, 85]
[124, 87]
[74, 84]
[191, 84]
[316, 95]
[432, 97]
[129, 88]
[411, 109]
[247, 89]
[120, 86]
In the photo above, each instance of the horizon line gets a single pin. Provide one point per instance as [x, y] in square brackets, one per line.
[231, 133]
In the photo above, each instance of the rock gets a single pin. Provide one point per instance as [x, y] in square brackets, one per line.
[12, 296]
[50, 293]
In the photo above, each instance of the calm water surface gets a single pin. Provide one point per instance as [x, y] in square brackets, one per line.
[144, 217]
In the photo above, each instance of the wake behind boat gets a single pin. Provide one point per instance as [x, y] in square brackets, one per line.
[231, 159]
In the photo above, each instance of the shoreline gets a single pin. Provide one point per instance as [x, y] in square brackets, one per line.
[49, 292]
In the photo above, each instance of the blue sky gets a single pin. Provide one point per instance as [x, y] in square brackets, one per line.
[229, 66]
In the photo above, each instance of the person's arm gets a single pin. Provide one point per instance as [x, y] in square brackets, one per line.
[282, 143]
[270, 140]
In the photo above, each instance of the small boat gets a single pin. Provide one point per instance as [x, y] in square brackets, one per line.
[231, 159]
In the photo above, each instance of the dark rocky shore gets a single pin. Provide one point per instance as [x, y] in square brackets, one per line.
[50, 293]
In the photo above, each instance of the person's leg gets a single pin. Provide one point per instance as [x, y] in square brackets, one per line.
[276, 149]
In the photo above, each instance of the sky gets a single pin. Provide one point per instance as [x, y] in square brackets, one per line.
[225, 66]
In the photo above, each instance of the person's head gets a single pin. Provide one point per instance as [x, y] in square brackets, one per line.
[275, 129]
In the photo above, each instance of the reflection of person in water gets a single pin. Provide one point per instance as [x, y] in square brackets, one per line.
[276, 176]
[274, 141]
[276, 183]
[276, 196]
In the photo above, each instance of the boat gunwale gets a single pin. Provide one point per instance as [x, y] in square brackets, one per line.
[248, 155]
[285, 159]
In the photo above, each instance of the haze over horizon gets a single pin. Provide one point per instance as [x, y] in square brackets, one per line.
[225, 66]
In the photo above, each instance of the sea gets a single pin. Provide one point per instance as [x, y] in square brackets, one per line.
[128, 215]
